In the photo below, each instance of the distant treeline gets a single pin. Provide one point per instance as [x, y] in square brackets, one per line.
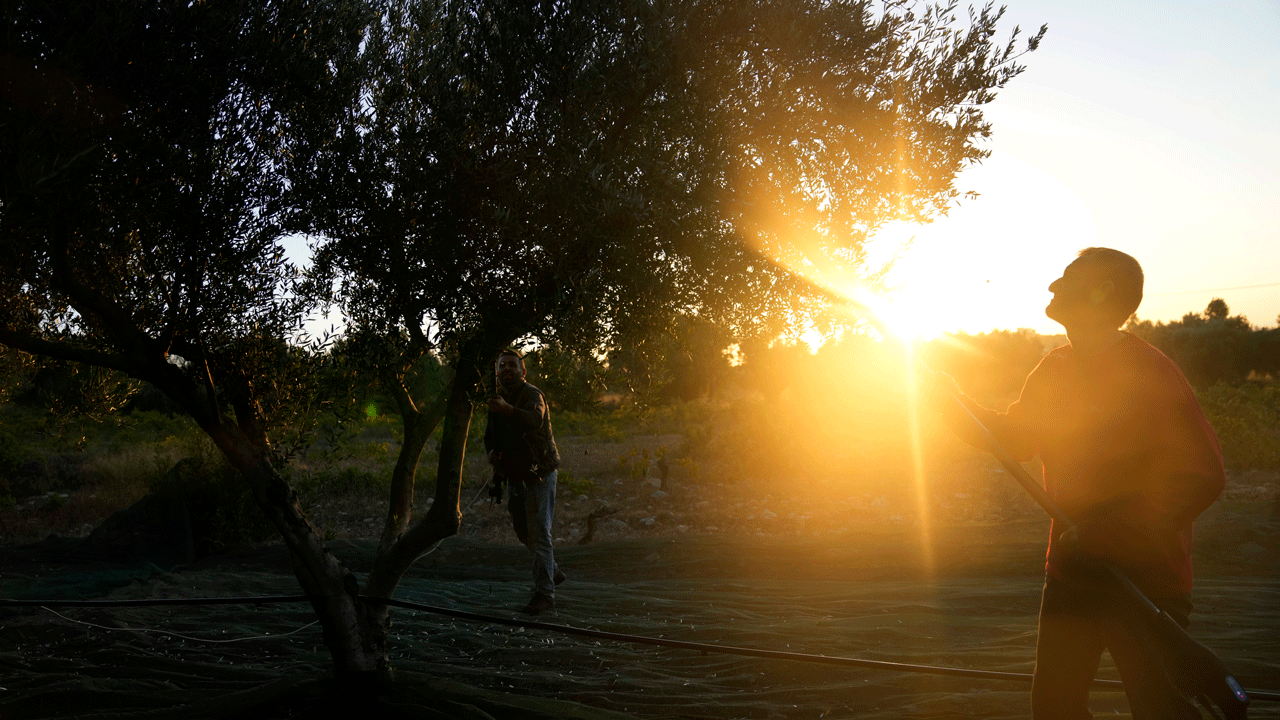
[1214, 346]
[698, 360]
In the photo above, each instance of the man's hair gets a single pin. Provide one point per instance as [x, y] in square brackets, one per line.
[1122, 270]
[512, 353]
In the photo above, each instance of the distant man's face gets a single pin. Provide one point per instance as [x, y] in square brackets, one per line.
[510, 371]
[1079, 296]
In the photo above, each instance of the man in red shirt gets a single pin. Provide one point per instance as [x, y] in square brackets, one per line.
[1129, 456]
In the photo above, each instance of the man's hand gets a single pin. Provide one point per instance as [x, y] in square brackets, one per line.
[1070, 539]
[938, 389]
[500, 406]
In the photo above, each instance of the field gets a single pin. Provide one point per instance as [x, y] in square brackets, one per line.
[866, 564]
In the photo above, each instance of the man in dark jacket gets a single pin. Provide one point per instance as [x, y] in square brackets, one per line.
[522, 450]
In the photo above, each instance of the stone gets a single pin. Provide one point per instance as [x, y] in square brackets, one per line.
[155, 529]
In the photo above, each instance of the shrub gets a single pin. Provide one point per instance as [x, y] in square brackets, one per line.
[220, 503]
[1247, 420]
[575, 485]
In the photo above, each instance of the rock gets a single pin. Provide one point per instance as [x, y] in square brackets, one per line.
[769, 515]
[682, 529]
[648, 522]
[155, 529]
[658, 495]
[653, 481]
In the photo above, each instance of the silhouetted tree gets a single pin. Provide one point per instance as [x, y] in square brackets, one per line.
[141, 187]
[1216, 310]
[583, 173]
[574, 172]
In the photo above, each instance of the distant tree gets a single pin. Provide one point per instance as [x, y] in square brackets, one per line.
[1210, 347]
[141, 198]
[1216, 310]
[772, 368]
[16, 372]
[683, 361]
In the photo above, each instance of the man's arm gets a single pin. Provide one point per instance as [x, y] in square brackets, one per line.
[530, 411]
[1014, 429]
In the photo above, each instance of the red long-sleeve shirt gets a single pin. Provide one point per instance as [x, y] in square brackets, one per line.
[1127, 454]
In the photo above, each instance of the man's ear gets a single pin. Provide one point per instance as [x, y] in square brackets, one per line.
[1099, 295]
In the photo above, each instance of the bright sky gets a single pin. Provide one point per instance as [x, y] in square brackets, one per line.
[1150, 127]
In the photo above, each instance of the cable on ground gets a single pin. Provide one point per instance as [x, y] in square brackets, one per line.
[581, 632]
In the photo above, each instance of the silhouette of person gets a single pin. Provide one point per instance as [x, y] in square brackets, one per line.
[1130, 458]
[522, 448]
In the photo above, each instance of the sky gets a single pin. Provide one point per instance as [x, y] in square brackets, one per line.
[1150, 127]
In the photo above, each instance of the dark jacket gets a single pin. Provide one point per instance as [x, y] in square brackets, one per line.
[524, 438]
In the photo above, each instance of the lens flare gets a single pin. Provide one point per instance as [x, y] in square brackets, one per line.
[848, 292]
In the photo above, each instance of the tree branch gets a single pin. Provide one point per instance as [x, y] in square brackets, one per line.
[66, 351]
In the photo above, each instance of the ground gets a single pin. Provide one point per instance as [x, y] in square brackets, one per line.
[714, 559]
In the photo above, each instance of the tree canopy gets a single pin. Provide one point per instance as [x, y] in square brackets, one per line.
[472, 173]
[574, 170]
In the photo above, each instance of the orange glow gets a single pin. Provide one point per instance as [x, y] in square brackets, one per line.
[810, 255]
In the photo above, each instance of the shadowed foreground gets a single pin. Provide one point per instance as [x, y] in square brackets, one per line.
[866, 594]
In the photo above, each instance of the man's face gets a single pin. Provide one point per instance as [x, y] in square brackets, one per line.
[510, 370]
[1079, 295]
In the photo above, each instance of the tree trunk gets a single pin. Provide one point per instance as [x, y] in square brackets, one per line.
[418, 427]
[445, 515]
[354, 631]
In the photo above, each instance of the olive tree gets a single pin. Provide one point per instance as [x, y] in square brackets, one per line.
[571, 172]
[142, 145]
[582, 174]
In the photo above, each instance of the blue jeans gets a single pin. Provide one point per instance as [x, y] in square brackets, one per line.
[533, 506]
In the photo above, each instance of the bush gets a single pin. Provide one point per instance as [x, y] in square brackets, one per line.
[574, 485]
[1247, 420]
[12, 456]
[220, 503]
